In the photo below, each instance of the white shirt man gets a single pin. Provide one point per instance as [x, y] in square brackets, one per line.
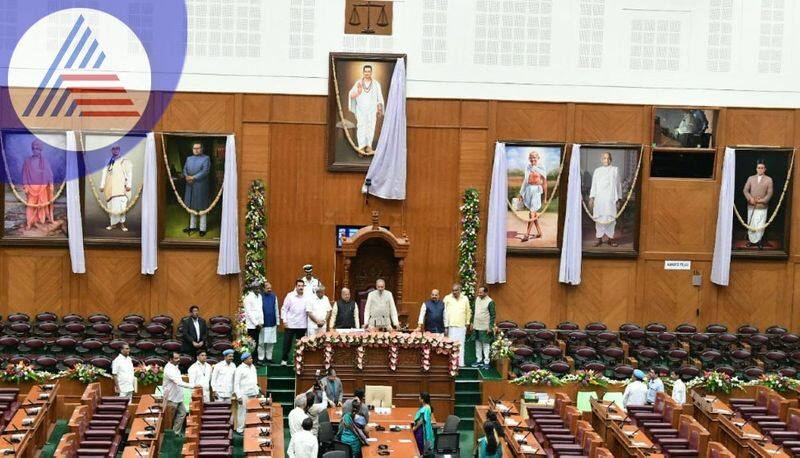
[172, 388]
[636, 392]
[122, 369]
[245, 386]
[678, 390]
[606, 190]
[457, 317]
[366, 102]
[200, 375]
[319, 310]
[298, 414]
[380, 311]
[222, 377]
[304, 444]
[309, 280]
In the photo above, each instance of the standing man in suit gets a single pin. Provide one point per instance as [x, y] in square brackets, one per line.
[193, 332]
[758, 191]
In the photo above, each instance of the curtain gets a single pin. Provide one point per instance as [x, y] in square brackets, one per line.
[149, 208]
[496, 224]
[74, 223]
[721, 264]
[388, 168]
[571, 249]
[228, 262]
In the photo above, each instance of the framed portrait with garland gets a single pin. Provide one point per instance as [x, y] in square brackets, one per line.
[112, 187]
[34, 170]
[762, 204]
[358, 90]
[193, 170]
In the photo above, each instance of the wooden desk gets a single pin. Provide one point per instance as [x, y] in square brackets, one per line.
[602, 418]
[401, 443]
[252, 438]
[254, 405]
[621, 444]
[135, 451]
[510, 446]
[767, 450]
[254, 419]
[397, 416]
[707, 411]
[138, 428]
[148, 406]
[25, 448]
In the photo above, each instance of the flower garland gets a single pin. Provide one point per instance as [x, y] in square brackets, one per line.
[21, 372]
[254, 247]
[84, 373]
[426, 342]
[149, 375]
[468, 245]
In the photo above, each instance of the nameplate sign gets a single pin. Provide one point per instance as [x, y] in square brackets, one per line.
[677, 265]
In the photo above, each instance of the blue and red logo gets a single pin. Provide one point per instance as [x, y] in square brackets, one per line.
[93, 67]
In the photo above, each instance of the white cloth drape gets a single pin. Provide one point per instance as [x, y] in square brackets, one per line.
[388, 168]
[571, 245]
[149, 208]
[721, 264]
[74, 223]
[496, 224]
[228, 262]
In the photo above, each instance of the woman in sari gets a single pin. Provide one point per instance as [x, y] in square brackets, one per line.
[423, 427]
[488, 445]
[348, 428]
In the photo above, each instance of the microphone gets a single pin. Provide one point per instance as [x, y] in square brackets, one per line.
[632, 434]
[264, 432]
[150, 426]
[8, 451]
[48, 386]
[522, 439]
[137, 451]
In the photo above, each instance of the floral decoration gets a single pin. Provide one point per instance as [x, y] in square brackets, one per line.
[539, 377]
[501, 348]
[22, 372]
[84, 373]
[147, 375]
[255, 242]
[587, 378]
[468, 245]
[777, 382]
[714, 382]
[392, 341]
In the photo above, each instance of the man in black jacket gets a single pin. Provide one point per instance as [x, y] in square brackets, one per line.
[193, 331]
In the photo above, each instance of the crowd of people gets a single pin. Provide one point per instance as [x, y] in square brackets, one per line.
[644, 388]
[307, 311]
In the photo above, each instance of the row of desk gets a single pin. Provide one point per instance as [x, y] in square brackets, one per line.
[30, 426]
[263, 433]
[149, 414]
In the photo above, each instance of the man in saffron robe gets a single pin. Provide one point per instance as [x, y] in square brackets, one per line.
[37, 182]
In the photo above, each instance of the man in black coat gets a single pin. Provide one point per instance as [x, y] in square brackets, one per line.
[193, 332]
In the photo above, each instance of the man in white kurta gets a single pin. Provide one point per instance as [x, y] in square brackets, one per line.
[380, 311]
[122, 369]
[678, 389]
[116, 182]
[318, 309]
[172, 388]
[245, 385]
[222, 377]
[366, 102]
[457, 317]
[200, 375]
[304, 444]
[636, 392]
[606, 191]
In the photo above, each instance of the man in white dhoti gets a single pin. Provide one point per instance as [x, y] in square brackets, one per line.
[318, 309]
[222, 377]
[758, 191]
[245, 386]
[116, 182]
[533, 192]
[200, 375]
[366, 102]
[604, 198]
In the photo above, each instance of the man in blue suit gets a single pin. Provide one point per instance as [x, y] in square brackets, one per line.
[196, 171]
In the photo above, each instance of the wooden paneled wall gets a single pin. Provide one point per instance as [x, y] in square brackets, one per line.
[282, 139]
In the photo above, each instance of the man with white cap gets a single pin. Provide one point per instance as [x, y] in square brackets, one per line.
[311, 282]
[200, 374]
[245, 385]
[636, 391]
[222, 377]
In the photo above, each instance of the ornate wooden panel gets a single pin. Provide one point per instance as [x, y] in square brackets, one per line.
[36, 281]
[680, 215]
[531, 292]
[531, 121]
[475, 113]
[607, 293]
[256, 108]
[759, 293]
[475, 162]
[113, 284]
[190, 277]
[669, 296]
[207, 113]
[309, 109]
[752, 126]
[611, 123]
[433, 113]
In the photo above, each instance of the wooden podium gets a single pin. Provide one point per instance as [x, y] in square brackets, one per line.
[407, 382]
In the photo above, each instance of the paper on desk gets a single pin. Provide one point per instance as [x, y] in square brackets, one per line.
[722, 411]
[372, 425]
[372, 439]
[527, 449]
[518, 437]
[404, 441]
[511, 422]
[639, 444]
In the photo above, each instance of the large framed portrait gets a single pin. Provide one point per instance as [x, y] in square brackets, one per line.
[610, 187]
[194, 172]
[762, 202]
[358, 90]
[684, 127]
[35, 199]
[112, 209]
[533, 215]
